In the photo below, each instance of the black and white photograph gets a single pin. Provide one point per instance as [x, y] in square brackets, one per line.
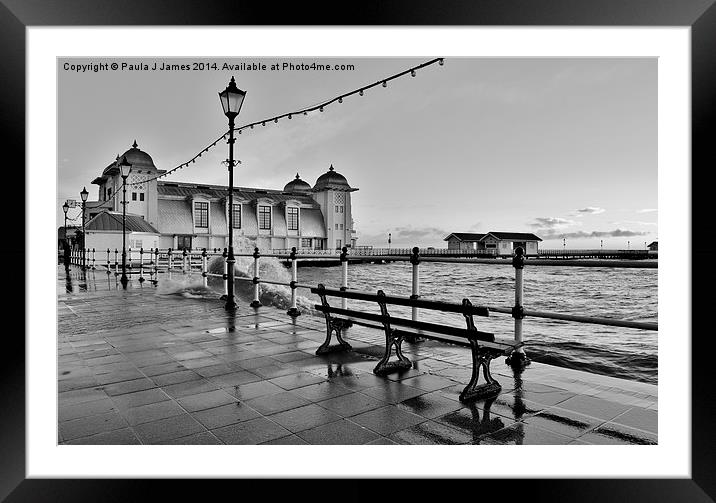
[357, 251]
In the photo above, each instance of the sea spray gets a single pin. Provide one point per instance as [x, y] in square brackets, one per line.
[270, 269]
[191, 287]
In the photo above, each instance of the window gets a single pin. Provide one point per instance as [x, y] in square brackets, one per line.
[341, 226]
[292, 219]
[339, 209]
[141, 196]
[109, 193]
[338, 244]
[336, 226]
[264, 217]
[236, 217]
[306, 243]
[134, 196]
[201, 214]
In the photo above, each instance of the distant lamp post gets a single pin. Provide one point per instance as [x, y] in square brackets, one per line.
[83, 196]
[628, 244]
[124, 169]
[65, 244]
[389, 239]
[601, 245]
[231, 100]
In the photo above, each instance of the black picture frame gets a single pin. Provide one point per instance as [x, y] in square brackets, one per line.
[699, 15]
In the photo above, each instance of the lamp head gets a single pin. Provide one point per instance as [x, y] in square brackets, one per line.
[84, 194]
[124, 167]
[231, 99]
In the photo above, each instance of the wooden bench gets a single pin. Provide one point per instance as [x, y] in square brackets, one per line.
[483, 346]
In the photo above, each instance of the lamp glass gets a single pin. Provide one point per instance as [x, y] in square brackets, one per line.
[232, 98]
[125, 167]
[84, 194]
[65, 207]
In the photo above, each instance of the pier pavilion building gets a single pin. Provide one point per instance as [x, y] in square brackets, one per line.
[499, 243]
[180, 215]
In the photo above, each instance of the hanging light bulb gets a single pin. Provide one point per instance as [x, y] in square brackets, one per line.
[340, 100]
[361, 92]
[441, 62]
[321, 109]
[263, 123]
[252, 126]
[240, 131]
[412, 73]
[276, 120]
[305, 112]
[385, 84]
[289, 116]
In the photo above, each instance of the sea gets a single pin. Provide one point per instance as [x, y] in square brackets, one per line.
[619, 293]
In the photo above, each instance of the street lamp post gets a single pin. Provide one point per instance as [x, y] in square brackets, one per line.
[231, 100]
[65, 243]
[83, 196]
[389, 240]
[124, 169]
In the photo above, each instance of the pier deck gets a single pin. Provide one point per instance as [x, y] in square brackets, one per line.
[135, 367]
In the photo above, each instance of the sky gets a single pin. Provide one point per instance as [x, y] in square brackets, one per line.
[564, 148]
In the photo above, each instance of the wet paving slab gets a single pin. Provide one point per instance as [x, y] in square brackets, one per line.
[139, 366]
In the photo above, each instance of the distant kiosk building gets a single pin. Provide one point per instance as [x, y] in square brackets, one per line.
[181, 215]
[495, 243]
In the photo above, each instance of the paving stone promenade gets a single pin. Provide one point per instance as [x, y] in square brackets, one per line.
[136, 367]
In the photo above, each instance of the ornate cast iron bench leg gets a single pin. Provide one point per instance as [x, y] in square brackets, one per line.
[481, 357]
[334, 325]
[385, 366]
[392, 338]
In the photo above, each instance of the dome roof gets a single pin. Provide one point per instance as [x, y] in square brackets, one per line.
[331, 179]
[297, 185]
[137, 158]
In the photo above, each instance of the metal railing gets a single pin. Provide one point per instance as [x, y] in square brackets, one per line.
[149, 263]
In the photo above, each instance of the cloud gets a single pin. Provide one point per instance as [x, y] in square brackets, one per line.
[419, 233]
[638, 222]
[590, 210]
[616, 233]
[405, 236]
[551, 222]
[646, 210]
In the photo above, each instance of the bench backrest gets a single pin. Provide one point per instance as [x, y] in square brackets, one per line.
[403, 322]
[464, 308]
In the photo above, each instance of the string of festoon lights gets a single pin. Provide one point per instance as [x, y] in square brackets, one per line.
[304, 111]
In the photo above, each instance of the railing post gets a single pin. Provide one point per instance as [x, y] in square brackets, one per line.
[225, 276]
[344, 275]
[518, 358]
[183, 261]
[156, 265]
[170, 263]
[256, 302]
[141, 264]
[129, 260]
[415, 260]
[293, 311]
[109, 264]
[204, 269]
[116, 263]
[93, 260]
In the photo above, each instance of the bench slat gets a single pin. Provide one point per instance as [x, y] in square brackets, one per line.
[404, 301]
[418, 325]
